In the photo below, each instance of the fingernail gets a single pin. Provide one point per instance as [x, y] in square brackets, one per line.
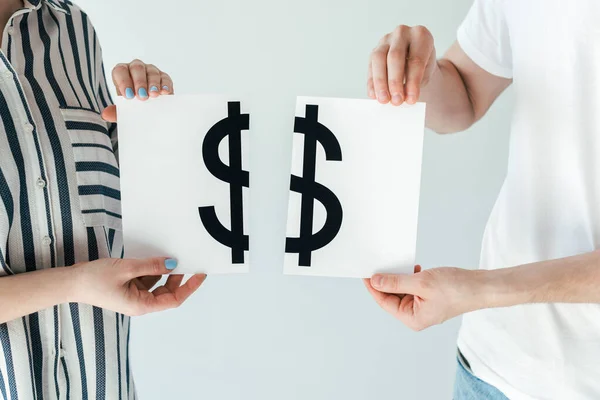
[171, 264]
[154, 89]
[377, 281]
[165, 88]
[143, 93]
[129, 93]
[411, 98]
[397, 99]
[383, 96]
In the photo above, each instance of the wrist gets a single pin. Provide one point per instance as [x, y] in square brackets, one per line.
[504, 287]
[75, 277]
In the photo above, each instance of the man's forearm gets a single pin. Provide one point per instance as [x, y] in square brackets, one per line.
[27, 293]
[449, 108]
[573, 279]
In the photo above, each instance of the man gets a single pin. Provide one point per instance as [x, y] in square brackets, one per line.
[533, 326]
[64, 332]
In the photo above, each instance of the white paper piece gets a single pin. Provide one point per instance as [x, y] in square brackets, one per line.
[367, 169]
[175, 161]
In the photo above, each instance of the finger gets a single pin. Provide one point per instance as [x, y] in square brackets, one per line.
[401, 284]
[407, 306]
[122, 80]
[109, 114]
[396, 63]
[182, 293]
[166, 84]
[388, 302]
[161, 290]
[370, 87]
[421, 47]
[137, 69]
[149, 267]
[174, 282]
[148, 282]
[166, 300]
[417, 269]
[154, 79]
[379, 69]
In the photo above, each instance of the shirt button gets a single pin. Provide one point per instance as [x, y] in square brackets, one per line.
[46, 241]
[28, 127]
[41, 183]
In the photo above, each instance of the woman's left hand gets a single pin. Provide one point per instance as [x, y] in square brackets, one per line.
[138, 80]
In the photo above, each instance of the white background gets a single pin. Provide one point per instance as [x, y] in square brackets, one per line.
[264, 335]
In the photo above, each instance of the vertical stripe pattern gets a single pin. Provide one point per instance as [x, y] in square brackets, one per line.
[59, 203]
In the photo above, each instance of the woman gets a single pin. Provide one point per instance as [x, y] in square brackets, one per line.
[64, 331]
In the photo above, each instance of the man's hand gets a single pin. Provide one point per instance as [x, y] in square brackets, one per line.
[125, 286]
[429, 297]
[401, 65]
[138, 80]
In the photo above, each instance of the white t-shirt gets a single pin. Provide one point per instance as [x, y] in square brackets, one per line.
[549, 205]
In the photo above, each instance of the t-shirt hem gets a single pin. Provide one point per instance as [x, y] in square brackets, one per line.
[478, 366]
[479, 58]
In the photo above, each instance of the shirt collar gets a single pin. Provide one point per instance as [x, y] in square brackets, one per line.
[56, 5]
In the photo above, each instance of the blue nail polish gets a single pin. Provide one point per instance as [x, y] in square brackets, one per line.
[171, 264]
[165, 88]
[129, 93]
[154, 89]
[143, 93]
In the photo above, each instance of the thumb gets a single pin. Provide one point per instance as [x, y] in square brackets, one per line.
[151, 267]
[399, 284]
[110, 114]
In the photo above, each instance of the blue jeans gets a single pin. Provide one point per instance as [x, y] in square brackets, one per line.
[469, 387]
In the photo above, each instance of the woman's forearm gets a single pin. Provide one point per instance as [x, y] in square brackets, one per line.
[573, 279]
[27, 293]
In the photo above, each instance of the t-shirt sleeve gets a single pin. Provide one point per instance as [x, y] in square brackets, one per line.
[485, 38]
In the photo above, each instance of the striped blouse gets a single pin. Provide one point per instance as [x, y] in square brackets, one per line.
[59, 203]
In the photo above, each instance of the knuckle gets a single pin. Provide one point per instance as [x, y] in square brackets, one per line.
[120, 69]
[401, 30]
[380, 82]
[416, 61]
[395, 54]
[138, 68]
[422, 32]
[137, 61]
[424, 284]
[157, 266]
[394, 83]
[152, 70]
[379, 53]
[385, 39]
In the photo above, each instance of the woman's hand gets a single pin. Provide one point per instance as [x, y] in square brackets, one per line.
[138, 80]
[124, 286]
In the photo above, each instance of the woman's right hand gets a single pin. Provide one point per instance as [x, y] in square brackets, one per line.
[125, 286]
[401, 65]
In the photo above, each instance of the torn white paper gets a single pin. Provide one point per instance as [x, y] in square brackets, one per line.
[184, 181]
[356, 175]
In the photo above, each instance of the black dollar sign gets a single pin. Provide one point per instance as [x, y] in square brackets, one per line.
[308, 242]
[237, 178]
